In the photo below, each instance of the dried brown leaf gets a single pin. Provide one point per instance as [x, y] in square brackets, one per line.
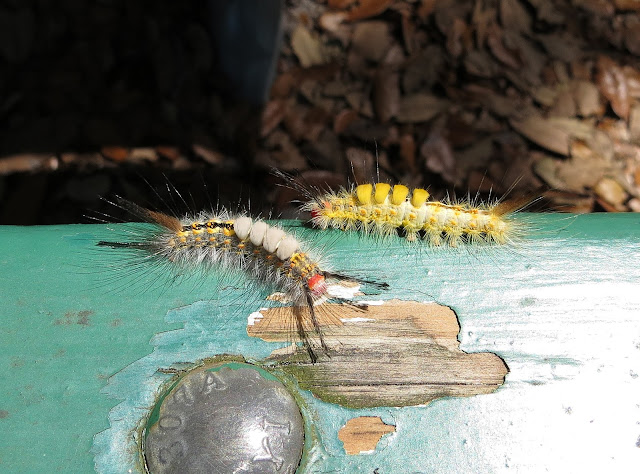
[362, 164]
[497, 104]
[438, 156]
[631, 5]
[359, 101]
[581, 70]
[499, 50]
[545, 95]
[386, 94]
[168, 152]
[272, 115]
[408, 34]
[408, 151]
[543, 132]
[115, 153]
[616, 130]
[372, 39]
[613, 85]
[455, 43]
[601, 8]
[368, 9]
[423, 69]
[283, 153]
[27, 162]
[611, 191]
[420, 107]
[634, 204]
[426, 9]
[587, 99]
[632, 33]
[564, 106]
[212, 157]
[307, 47]
[343, 119]
[283, 85]
[479, 63]
[529, 54]
[565, 201]
[340, 4]
[514, 16]
[634, 123]
[546, 11]
[633, 81]
[333, 22]
[143, 154]
[564, 46]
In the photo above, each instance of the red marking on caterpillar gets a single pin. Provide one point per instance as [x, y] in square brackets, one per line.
[264, 252]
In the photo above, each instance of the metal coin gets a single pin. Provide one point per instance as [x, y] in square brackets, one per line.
[226, 420]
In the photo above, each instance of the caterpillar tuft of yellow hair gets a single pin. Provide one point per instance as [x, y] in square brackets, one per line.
[382, 209]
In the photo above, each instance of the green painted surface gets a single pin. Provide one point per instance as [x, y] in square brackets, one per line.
[562, 309]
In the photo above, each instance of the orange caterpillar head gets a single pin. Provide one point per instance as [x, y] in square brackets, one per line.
[319, 208]
[317, 285]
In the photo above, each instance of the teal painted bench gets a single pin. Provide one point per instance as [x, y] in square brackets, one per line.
[83, 357]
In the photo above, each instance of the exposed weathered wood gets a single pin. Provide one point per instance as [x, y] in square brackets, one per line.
[395, 354]
[363, 433]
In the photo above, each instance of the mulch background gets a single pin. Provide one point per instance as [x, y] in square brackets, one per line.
[116, 97]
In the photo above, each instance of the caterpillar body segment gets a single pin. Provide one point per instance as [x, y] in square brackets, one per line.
[264, 252]
[383, 209]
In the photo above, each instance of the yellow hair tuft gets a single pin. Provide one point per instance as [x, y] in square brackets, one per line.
[381, 193]
[419, 197]
[399, 195]
[363, 192]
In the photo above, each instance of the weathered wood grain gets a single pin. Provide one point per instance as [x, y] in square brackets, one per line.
[396, 354]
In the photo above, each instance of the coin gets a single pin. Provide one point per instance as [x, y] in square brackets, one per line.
[226, 420]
